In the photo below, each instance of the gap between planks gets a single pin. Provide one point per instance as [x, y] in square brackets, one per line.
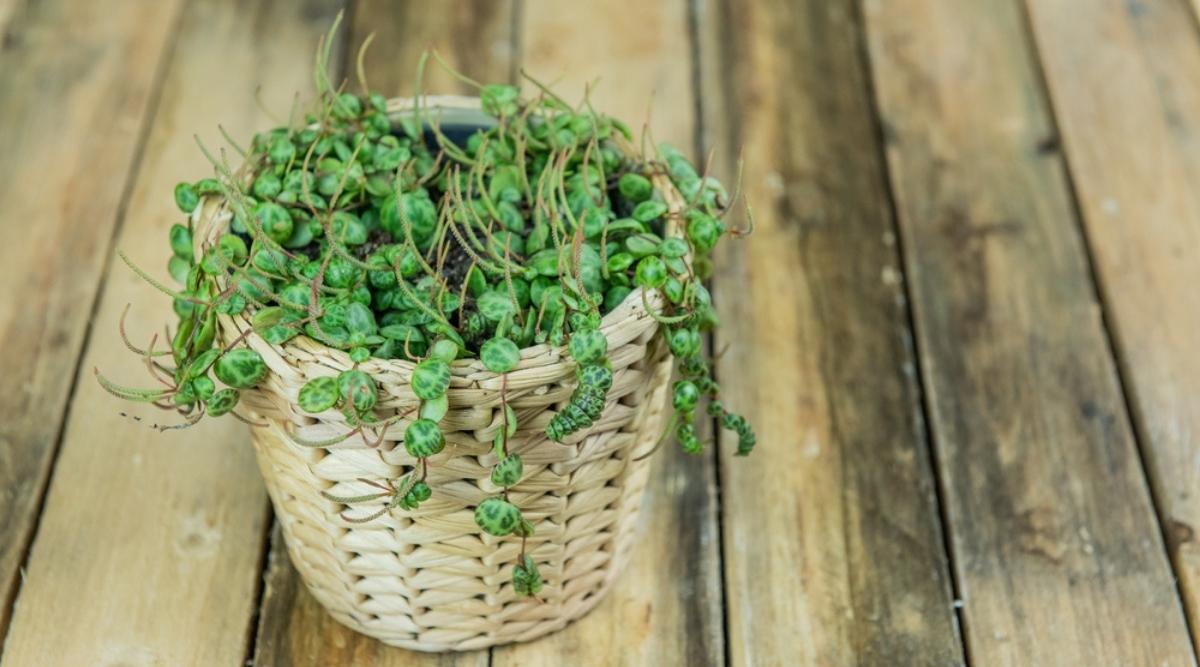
[17, 19]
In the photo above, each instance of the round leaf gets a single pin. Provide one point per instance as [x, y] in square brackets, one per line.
[508, 471]
[444, 350]
[241, 368]
[186, 198]
[497, 516]
[495, 305]
[318, 395]
[435, 409]
[358, 390]
[500, 355]
[430, 379]
[423, 438]
[588, 347]
[222, 402]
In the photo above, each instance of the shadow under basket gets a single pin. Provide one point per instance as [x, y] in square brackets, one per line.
[430, 579]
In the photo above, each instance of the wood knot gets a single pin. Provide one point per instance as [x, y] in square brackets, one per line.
[1038, 534]
[1178, 534]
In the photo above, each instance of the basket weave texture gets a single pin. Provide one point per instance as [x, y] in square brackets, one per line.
[430, 579]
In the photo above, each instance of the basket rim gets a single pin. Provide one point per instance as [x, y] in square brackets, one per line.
[213, 216]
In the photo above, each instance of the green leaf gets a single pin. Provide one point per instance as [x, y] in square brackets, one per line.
[495, 305]
[703, 231]
[596, 376]
[635, 187]
[241, 368]
[222, 402]
[685, 395]
[444, 349]
[186, 198]
[357, 389]
[267, 317]
[526, 579]
[275, 221]
[588, 347]
[500, 355]
[497, 516]
[430, 379]
[436, 408]
[178, 267]
[181, 242]
[499, 100]
[508, 471]
[649, 211]
[360, 320]
[651, 272]
[423, 438]
[200, 365]
[318, 395]
[673, 247]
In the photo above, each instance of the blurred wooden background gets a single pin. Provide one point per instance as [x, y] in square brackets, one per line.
[965, 328]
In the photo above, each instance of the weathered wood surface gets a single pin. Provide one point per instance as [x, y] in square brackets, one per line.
[150, 545]
[476, 37]
[1057, 552]
[895, 152]
[76, 85]
[1123, 79]
[666, 607]
[293, 628]
[833, 554]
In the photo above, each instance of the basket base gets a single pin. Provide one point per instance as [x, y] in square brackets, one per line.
[581, 609]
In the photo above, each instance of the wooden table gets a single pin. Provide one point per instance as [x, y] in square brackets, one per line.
[965, 328]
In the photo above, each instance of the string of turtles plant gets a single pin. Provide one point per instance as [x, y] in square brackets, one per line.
[385, 238]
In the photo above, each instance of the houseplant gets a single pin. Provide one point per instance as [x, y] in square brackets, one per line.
[450, 323]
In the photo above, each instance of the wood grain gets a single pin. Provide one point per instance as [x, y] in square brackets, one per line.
[666, 606]
[1123, 80]
[832, 547]
[77, 83]
[474, 36]
[150, 545]
[1057, 550]
[634, 54]
[293, 628]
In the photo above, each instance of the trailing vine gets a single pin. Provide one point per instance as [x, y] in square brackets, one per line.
[401, 237]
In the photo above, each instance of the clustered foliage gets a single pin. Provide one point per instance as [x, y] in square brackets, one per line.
[378, 234]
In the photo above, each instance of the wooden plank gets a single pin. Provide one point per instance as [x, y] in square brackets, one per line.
[833, 552]
[474, 36]
[1122, 78]
[293, 629]
[77, 83]
[1057, 550]
[666, 606]
[150, 546]
[635, 54]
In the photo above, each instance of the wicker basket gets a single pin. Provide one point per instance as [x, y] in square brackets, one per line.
[430, 579]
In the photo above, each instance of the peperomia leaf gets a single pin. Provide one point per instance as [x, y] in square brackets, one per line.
[508, 471]
[496, 305]
[318, 395]
[430, 379]
[423, 438]
[588, 347]
[496, 516]
[240, 368]
[500, 355]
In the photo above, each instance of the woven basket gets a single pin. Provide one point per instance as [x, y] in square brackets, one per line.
[430, 579]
